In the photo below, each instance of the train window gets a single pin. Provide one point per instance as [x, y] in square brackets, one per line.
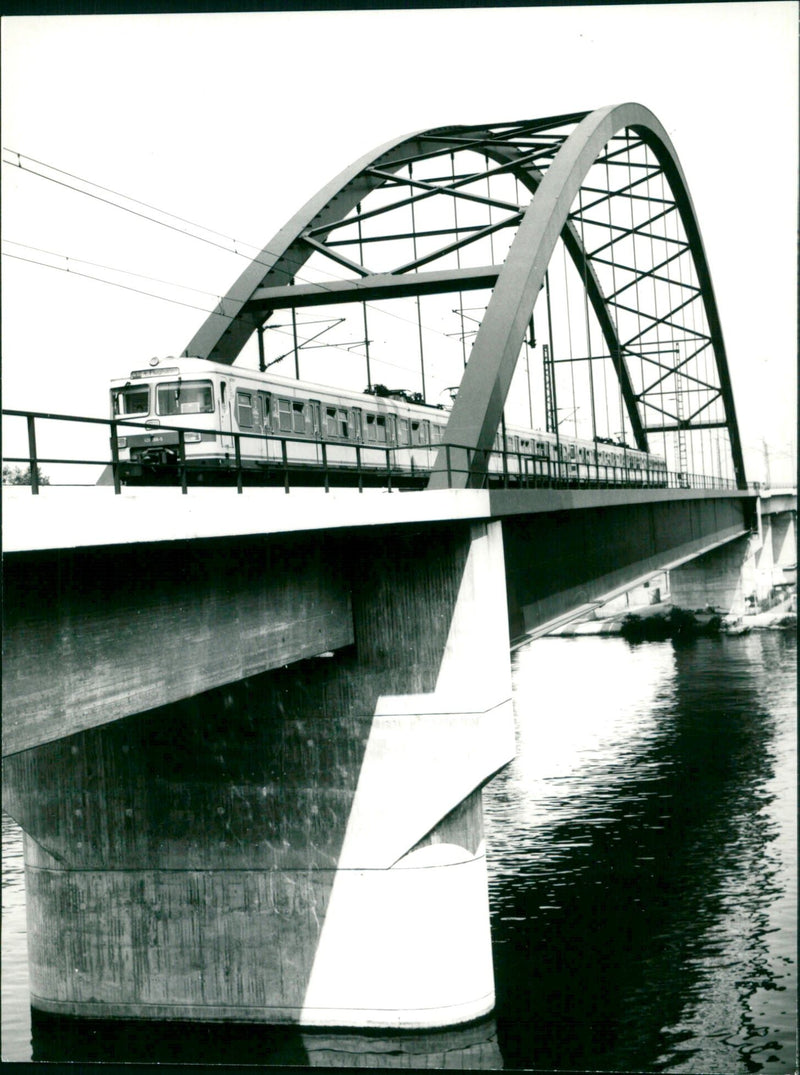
[132, 400]
[402, 431]
[376, 428]
[244, 409]
[184, 397]
[437, 433]
[285, 416]
[418, 433]
[299, 416]
[336, 422]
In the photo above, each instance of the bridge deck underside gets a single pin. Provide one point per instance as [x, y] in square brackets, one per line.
[558, 561]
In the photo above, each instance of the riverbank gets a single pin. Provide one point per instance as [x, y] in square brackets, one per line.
[665, 620]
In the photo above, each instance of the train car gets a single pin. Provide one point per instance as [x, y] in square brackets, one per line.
[232, 419]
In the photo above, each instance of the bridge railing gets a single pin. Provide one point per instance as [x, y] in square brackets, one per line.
[337, 462]
[530, 471]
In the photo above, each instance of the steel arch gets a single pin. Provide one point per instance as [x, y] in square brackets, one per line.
[479, 405]
[225, 332]
[554, 178]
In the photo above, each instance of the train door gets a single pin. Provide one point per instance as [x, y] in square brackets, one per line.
[358, 424]
[391, 440]
[225, 417]
[315, 428]
[265, 448]
[248, 419]
[252, 446]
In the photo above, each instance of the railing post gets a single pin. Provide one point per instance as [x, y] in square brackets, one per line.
[285, 460]
[358, 469]
[34, 465]
[115, 458]
[388, 469]
[449, 466]
[325, 466]
[182, 459]
[237, 448]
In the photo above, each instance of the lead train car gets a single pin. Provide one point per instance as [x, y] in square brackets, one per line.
[288, 425]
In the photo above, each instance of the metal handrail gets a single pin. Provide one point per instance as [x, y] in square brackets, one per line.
[533, 471]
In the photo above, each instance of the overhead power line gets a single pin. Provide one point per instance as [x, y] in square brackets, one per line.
[109, 268]
[152, 294]
[231, 249]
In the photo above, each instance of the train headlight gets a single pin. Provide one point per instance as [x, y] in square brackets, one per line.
[192, 438]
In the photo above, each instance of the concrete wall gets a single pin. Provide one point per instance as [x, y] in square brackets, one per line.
[305, 845]
[784, 539]
[743, 571]
[91, 635]
[721, 579]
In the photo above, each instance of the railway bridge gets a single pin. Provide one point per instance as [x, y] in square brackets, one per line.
[246, 728]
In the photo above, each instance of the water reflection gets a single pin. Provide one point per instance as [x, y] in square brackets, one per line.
[632, 885]
[57, 1038]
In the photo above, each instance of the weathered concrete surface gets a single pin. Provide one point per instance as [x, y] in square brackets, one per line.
[305, 845]
[783, 534]
[742, 574]
[715, 580]
[777, 501]
[92, 635]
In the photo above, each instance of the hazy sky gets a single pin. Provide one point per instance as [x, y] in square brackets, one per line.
[233, 121]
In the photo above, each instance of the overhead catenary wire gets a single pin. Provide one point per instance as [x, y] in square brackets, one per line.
[167, 298]
[226, 247]
[108, 268]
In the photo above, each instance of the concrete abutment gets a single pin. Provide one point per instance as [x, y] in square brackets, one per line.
[304, 844]
[742, 573]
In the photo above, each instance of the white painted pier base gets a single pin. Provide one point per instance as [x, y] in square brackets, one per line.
[406, 938]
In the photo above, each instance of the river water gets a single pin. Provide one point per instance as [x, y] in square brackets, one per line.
[643, 876]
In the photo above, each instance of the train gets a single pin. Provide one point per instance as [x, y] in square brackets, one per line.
[211, 421]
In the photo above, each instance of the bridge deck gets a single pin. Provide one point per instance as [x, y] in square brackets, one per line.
[82, 517]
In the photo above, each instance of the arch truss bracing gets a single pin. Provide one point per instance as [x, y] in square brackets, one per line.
[485, 209]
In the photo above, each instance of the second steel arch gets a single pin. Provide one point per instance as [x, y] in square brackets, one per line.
[478, 408]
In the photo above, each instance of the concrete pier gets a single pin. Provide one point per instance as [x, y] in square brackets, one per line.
[304, 845]
[742, 573]
[714, 580]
